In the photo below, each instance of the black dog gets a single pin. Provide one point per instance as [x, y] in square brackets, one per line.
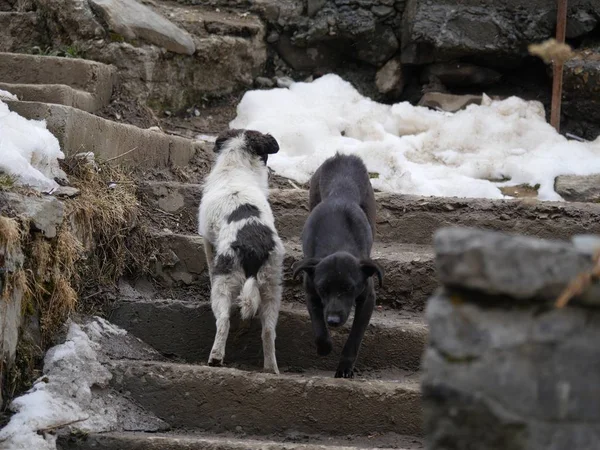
[336, 241]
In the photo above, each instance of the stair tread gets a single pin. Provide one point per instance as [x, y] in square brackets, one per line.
[187, 441]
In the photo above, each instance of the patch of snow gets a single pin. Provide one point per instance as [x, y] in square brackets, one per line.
[206, 138]
[415, 150]
[7, 95]
[28, 151]
[100, 328]
[62, 397]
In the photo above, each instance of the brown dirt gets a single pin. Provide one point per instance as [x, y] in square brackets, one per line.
[124, 110]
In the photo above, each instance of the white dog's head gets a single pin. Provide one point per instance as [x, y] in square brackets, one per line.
[246, 146]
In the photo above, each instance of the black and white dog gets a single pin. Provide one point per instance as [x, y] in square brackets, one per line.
[243, 250]
[337, 241]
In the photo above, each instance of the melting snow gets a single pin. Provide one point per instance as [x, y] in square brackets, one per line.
[416, 150]
[63, 396]
[28, 151]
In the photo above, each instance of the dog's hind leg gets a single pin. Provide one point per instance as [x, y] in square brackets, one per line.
[362, 316]
[221, 297]
[269, 314]
[209, 251]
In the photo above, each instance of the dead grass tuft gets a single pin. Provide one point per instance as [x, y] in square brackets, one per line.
[10, 235]
[107, 219]
[551, 51]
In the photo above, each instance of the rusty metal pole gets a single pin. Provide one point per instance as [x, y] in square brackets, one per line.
[557, 78]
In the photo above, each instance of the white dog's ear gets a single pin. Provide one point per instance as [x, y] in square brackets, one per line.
[224, 137]
[261, 144]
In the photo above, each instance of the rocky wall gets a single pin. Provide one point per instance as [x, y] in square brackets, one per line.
[504, 369]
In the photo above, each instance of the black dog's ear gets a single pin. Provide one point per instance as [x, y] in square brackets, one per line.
[261, 144]
[307, 265]
[370, 268]
[224, 137]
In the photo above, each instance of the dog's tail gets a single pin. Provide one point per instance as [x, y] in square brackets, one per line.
[249, 298]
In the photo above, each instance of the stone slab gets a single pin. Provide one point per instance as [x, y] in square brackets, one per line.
[135, 20]
[408, 281]
[186, 330]
[406, 218]
[55, 93]
[84, 75]
[162, 441]
[578, 188]
[520, 267]
[510, 378]
[126, 145]
[210, 399]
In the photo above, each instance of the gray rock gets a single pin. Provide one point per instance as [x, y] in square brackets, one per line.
[284, 82]
[448, 102]
[510, 378]
[46, 213]
[315, 57]
[580, 23]
[498, 30]
[273, 37]
[66, 192]
[264, 83]
[520, 267]
[72, 19]
[377, 47]
[133, 21]
[577, 188]
[313, 6]
[382, 11]
[389, 79]
[460, 75]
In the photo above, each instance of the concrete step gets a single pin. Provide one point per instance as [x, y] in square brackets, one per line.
[400, 218]
[219, 400]
[186, 330]
[82, 75]
[410, 219]
[60, 94]
[19, 32]
[409, 269]
[175, 441]
[128, 146]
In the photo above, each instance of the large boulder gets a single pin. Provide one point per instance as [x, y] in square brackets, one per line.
[498, 30]
[365, 30]
[132, 20]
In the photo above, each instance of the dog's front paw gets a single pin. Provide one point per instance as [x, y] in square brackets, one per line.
[345, 370]
[214, 362]
[324, 346]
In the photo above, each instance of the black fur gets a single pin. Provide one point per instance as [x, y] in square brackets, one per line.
[257, 143]
[337, 241]
[242, 212]
[224, 137]
[223, 265]
[253, 243]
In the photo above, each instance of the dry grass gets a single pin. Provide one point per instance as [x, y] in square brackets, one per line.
[580, 284]
[107, 220]
[10, 235]
[551, 51]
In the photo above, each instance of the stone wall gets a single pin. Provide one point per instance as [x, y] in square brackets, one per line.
[29, 218]
[504, 369]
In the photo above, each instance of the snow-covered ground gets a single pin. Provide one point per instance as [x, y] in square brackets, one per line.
[28, 151]
[63, 396]
[415, 150]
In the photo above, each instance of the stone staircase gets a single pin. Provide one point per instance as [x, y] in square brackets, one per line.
[238, 407]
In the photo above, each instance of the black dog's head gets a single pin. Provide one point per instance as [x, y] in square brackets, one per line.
[338, 279]
[247, 144]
